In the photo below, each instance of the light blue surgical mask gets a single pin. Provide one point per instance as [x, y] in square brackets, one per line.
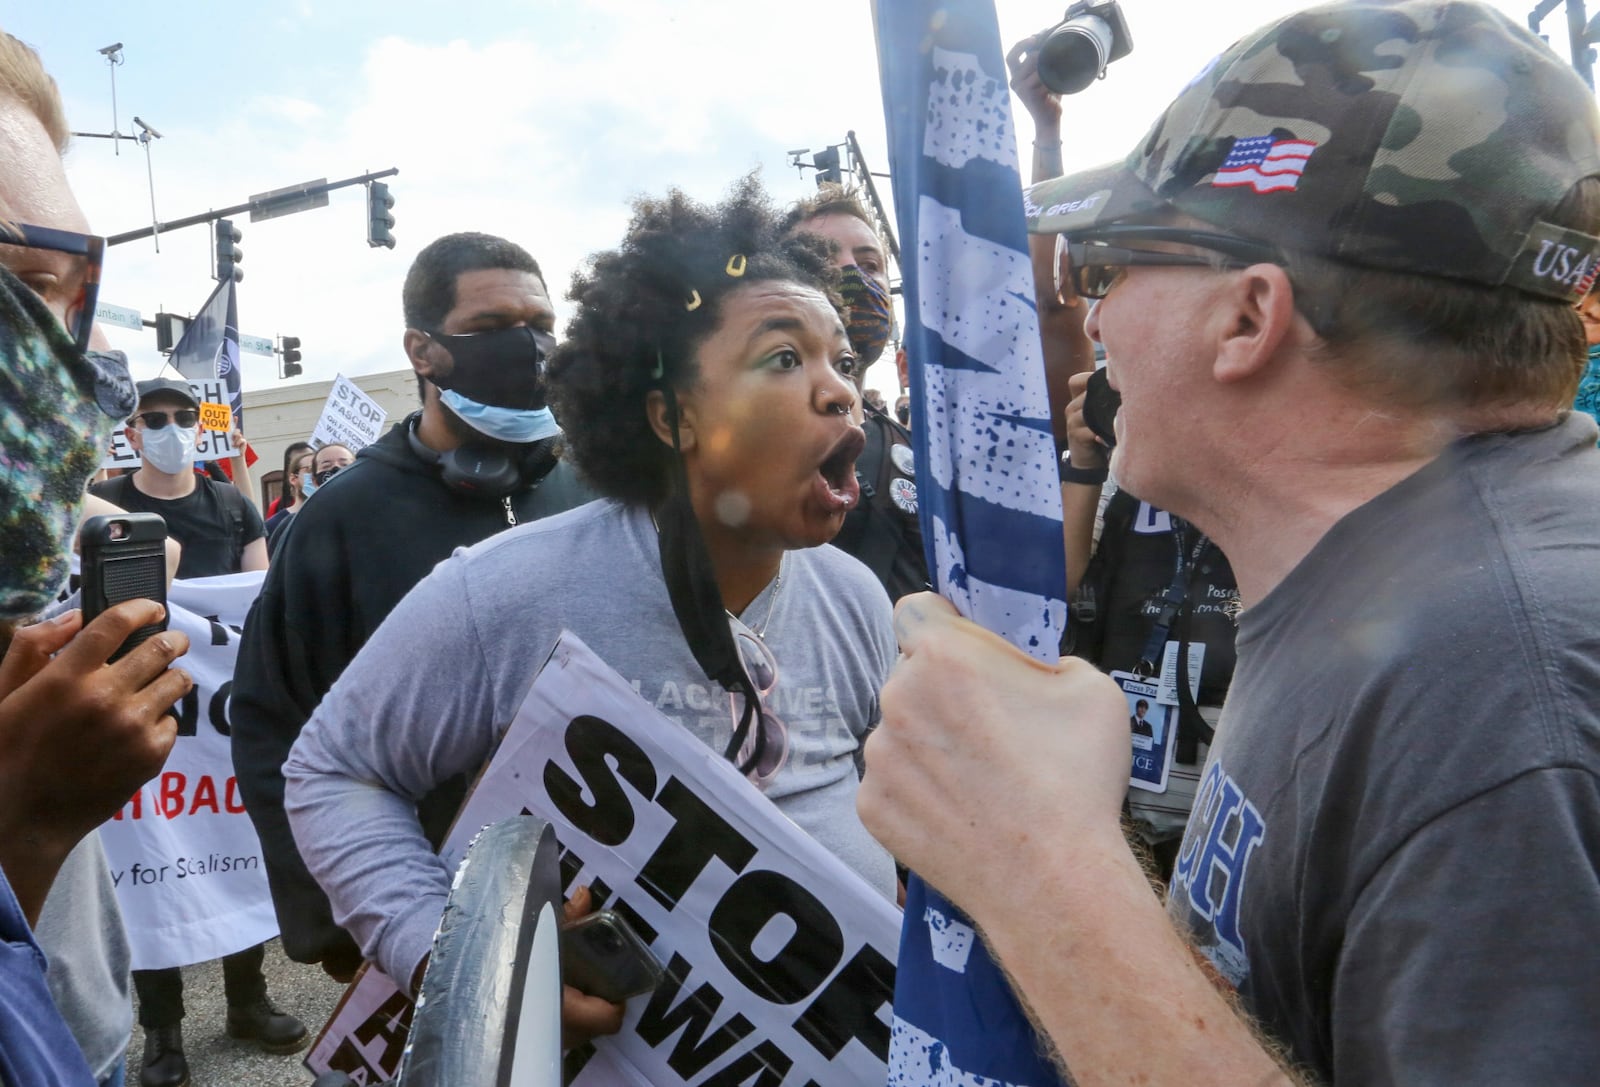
[308, 484]
[171, 448]
[502, 424]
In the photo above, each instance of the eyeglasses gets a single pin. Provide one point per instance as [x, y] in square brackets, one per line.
[61, 267]
[1091, 264]
[766, 747]
[155, 420]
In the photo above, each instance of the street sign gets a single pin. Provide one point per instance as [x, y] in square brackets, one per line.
[255, 345]
[121, 316]
[287, 201]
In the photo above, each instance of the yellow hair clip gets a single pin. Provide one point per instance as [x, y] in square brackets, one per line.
[736, 265]
[694, 301]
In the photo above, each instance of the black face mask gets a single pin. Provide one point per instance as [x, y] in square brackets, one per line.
[503, 369]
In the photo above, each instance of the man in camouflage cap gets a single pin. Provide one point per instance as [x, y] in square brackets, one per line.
[1363, 228]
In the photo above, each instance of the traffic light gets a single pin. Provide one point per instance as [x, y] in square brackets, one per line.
[169, 330]
[228, 253]
[380, 220]
[290, 350]
[827, 163]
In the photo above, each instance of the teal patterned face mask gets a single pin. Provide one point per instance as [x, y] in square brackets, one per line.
[58, 407]
[1588, 398]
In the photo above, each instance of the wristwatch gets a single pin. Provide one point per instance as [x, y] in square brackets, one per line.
[1089, 477]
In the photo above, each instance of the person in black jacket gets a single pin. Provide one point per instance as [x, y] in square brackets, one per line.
[883, 530]
[480, 456]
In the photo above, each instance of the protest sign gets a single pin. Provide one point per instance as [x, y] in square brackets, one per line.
[350, 417]
[215, 416]
[184, 856]
[213, 444]
[779, 958]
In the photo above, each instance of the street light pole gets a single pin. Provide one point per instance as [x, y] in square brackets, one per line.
[1580, 34]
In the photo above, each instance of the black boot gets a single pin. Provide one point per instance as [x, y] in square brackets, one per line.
[273, 1030]
[164, 1064]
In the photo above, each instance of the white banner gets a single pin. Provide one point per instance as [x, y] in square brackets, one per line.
[350, 417]
[184, 856]
[780, 960]
[213, 444]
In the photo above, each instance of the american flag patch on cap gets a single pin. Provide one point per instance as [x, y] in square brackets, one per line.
[1264, 163]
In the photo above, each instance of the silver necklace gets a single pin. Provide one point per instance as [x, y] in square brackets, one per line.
[772, 602]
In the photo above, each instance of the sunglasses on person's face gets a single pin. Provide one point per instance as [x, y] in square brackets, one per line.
[61, 267]
[766, 748]
[155, 420]
[1093, 263]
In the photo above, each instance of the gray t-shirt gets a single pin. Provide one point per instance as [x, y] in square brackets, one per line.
[436, 686]
[80, 931]
[1394, 848]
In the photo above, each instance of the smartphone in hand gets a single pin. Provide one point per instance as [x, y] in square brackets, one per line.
[124, 557]
[601, 955]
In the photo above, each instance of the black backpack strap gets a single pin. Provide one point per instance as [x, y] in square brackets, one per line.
[115, 490]
[1089, 613]
[233, 501]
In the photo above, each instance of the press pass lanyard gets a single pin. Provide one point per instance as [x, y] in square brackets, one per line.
[1174, 608]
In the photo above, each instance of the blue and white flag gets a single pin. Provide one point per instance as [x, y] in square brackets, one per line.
[209, 348]
[986, 465]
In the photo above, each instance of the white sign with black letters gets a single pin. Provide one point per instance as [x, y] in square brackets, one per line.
[212, 444]
[184, 856]
[779, 958]
[350, 417]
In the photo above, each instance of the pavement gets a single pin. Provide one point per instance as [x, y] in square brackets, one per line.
[215, 1060]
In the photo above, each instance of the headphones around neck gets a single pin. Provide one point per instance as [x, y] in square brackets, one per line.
[485, 471]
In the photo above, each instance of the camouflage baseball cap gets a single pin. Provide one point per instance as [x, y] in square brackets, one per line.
[1412, 135]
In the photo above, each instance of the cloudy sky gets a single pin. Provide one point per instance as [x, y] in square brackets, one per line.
[538, 120]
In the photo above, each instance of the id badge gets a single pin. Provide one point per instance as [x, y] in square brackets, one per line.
[1169, 672]
[1150, 728]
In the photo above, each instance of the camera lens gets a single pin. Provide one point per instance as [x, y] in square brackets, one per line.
[1075, 54]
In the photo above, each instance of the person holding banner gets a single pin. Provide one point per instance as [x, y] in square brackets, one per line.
[1364, 227]
[77, 735]
[706, 386]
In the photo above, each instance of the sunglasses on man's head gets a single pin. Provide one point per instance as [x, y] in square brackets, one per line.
[1092, 263]
[61, 267]
[155, 420]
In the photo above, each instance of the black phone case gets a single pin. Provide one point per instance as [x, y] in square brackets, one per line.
[124, 557]
[601, 955]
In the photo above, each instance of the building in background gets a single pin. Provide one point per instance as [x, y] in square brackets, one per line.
[278, 416]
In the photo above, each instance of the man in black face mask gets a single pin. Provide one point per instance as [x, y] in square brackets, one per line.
[883, 530]
[481, 455]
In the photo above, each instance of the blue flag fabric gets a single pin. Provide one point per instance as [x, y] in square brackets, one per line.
[988, 494]
[209, 349]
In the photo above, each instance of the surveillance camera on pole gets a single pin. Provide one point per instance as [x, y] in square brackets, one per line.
[148, 130]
